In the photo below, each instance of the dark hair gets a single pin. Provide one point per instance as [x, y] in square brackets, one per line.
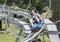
[33, 8]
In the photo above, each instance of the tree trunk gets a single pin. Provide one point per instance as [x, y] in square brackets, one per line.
[0, 25]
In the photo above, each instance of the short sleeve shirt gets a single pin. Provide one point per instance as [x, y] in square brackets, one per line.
[35, 15]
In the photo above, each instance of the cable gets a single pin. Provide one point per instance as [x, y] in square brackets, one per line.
[28, 5]
[48, 9]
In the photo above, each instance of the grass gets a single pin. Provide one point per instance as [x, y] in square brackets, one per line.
[8, 37]
[44, 37]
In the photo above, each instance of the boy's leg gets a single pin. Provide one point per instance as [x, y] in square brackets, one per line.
[37, 19]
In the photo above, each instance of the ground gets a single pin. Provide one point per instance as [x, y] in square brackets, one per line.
[8, 37]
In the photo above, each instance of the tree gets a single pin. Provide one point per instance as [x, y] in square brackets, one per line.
[1, 1]
[56, 12]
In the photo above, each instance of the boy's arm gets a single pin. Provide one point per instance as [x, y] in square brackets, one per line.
[39, 16]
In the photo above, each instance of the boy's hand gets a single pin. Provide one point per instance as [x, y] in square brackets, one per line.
[37, 19]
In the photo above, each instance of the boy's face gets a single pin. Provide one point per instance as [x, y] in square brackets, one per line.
[33, 12]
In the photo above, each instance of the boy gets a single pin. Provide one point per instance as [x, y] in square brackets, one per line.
[35, 17]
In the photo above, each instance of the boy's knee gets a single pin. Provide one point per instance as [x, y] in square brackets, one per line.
[31, 21]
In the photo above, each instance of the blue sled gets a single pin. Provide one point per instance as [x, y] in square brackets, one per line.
[39, 25]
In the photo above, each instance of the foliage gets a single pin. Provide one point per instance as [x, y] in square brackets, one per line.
[39, 4]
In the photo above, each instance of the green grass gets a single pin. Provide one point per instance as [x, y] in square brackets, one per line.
[8, 37]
